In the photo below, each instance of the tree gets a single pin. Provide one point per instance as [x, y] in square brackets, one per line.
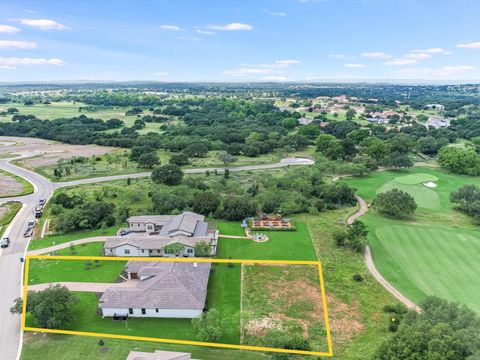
[196, 149]
[330, 146]
[398, 160]
[289, 123]
[179, 159]
[376, 148]
[168, 174]
[166, 202]
[467, 199]
[175, 249]
[350, 114]
[206, 202]
[148, 160]
[226, 158]
[460, 161]
[203, 248]
[443, 330]
[208, 326]
[236, 208]
[51, 308]
[137, 151]
[395, 203]
[354, 236]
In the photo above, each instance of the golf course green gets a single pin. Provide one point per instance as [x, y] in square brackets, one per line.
[436, 251]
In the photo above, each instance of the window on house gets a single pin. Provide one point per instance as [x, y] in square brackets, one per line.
[156, 310]
[127, 251]
[144, 311]
[130, 311]
[189, 251]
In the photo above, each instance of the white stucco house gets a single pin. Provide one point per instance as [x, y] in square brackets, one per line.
[162, 290]
[159, 355]
[148, 235]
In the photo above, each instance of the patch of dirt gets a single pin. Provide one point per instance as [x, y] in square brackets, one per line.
[9, 186]
[344, 319]
[49, 152]
[3, 210]
[259, 327]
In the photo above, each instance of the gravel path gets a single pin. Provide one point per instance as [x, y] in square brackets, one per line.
[371, 266]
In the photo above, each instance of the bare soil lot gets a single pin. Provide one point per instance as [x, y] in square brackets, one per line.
[8, 186]
[46, 152]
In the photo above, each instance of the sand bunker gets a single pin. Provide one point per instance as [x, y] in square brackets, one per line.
[430, 184]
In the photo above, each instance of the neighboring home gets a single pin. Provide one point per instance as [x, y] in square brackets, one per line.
[435, 107]
[158, 355]
[304, 121]
[378, 120]
[154, 235]
[163, 290]
[437, 122]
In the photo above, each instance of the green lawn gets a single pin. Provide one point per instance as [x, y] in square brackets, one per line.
[68, 347]
[12, 208]
[282, 245]
[27, 187]
[49, 270]
[51, 240]
[434, 253]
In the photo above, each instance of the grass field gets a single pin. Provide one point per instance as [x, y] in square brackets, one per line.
[434, 253]
[11, 209]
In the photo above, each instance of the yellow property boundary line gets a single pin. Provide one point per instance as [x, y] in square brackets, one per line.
[173, 341]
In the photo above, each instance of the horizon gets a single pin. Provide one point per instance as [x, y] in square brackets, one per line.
[222, 41]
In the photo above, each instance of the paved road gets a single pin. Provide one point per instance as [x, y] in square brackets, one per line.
[371, 266]
[283, 163]
[10, 266]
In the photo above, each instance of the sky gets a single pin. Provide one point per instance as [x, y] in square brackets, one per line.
[244, 40]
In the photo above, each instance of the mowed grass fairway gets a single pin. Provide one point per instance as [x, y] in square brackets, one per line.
[434, 253]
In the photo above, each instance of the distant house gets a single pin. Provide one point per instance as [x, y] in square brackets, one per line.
[163, 290]
[152, 235]
[304, 121]
[378, 120]
[437, 122]
[158, 355]
[435, 107]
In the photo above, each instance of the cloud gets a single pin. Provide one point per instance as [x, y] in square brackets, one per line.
[231, 27]
[12, 62]
[7, 29]
[247, 71]
[188, 38]
[8, 67]
[287, 62]
[14, 44]
[444, 71]
[276, 13]
[337, 56]
[418, 56]
[400, 62]
[205, 32]
[376, 55]
[42, 24]
[275, 78]
[170, 27]
[354, 65]
[161, 73]
[432, 51]
[473, 45]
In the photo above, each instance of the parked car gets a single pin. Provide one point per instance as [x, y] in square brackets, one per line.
[31, 223]
[124, 232]
[5, 242]
[29, 232]
[39, 208]
[38, 214]
[42, 202]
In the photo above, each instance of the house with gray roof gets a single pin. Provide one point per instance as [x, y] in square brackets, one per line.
[162, 289]
[154, 235]
[437, 122]
[159, 355]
